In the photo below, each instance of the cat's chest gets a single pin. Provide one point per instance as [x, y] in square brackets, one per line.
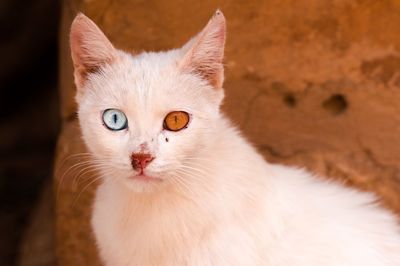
[136, 243]
[127, 233]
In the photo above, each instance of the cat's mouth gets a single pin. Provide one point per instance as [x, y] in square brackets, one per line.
[145, 177]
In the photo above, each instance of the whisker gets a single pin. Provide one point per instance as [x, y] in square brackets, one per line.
[95, 179]
[75, 166]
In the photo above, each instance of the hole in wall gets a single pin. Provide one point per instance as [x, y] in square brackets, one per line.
[290, 100]
[336, 104]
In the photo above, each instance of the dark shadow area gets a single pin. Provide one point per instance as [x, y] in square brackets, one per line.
[29, 113]
[335, 104]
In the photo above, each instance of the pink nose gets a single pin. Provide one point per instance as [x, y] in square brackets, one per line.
[140, 160]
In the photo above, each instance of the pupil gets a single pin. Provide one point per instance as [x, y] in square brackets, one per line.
[176, 119]
[115, 118]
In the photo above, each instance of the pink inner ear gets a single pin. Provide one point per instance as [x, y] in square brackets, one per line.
[90, 48]
[204, 58]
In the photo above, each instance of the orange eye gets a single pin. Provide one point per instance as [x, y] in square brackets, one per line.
[176, 120]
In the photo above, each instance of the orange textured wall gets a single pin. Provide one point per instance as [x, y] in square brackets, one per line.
[311, 83]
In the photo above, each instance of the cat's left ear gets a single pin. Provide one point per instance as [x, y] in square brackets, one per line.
[90, 48]
[203, 54]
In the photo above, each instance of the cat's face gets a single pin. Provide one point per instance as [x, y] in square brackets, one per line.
[144, 116]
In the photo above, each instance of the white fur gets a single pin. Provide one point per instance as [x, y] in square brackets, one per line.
[219, 202]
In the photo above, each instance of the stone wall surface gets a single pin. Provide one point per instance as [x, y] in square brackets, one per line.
[311, 83]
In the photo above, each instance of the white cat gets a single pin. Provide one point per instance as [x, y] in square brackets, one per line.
[181, 186]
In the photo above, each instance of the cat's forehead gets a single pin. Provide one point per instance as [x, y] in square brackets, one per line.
[148, 79]
[158, 61]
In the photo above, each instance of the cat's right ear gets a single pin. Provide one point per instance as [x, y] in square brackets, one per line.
[90, 48]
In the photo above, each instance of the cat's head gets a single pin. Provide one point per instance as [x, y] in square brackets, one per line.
[144, 116]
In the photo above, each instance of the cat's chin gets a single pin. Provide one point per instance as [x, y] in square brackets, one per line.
[143, 182]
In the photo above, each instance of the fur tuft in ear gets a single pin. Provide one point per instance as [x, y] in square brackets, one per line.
[204, 53]
[90, 48]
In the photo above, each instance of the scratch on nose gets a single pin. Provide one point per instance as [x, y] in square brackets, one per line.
[143, 147]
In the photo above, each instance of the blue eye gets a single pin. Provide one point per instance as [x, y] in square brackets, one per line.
[115, 119]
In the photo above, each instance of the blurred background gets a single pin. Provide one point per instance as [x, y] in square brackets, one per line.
[29, 120]
[311, 83]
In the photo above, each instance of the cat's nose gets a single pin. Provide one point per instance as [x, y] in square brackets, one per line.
[141, 160]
